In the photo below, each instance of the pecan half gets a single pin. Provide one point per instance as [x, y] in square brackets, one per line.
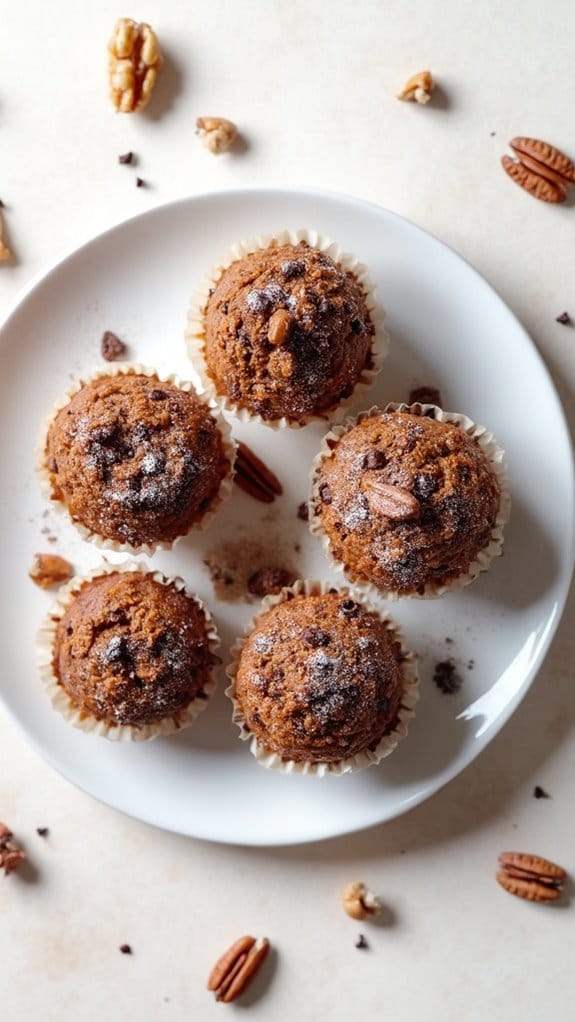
[49, 570]
[541, 169]
[530, 876]
[133, 64]
[255, 478]
[236, 968]
[392, 501]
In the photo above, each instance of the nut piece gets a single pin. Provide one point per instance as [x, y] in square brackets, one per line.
[418, 88]
[279, 327]
[549, 160]
[5, 252]
[389, 500]
[530, 876]
[133, 64]
[255, 478]
[234, 971]
[49, 570]
[216, 133]
[359, 902]
[538, 186]
[11, 855]
[111, 347]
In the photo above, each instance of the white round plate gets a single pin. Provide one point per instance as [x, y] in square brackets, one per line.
[449, 329]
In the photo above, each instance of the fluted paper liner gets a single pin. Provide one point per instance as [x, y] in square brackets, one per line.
[63, 703]
[195, 332]
[125, 369]
[495, 455]
[270, 759]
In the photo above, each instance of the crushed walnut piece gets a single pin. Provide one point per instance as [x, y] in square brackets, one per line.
[216, 133]
[11, 854]
[133, 64]
[418, 88]
[50, 570]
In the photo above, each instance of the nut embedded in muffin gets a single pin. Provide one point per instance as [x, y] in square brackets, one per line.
[130, 651]
[406, 501]
[134, 459]
[288, 332]
[320, 679]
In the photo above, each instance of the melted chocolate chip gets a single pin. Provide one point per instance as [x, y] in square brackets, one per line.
[356, 326]
[349, 608]
[424, 486]
[157, 395]
[293, 268]
[315, 637]
[325, 493]
[52, 465]
[374, 459]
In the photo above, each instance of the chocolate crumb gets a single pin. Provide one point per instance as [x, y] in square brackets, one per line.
[361, 942]
[126, 158]
[492, 133]
[303, 511]
[269, 581]
[42, 831]
[140, 183]
[11, 854]
[539, 792]
[325, 493]
[111, 346]
[449, 640]
[374, 459]
[446, 677]
[564, 318]
[425, 396]
[470, 665]
[125, 949]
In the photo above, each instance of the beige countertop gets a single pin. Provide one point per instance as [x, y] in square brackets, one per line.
[312, 87]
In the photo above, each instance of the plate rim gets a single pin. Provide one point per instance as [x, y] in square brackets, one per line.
[455, 769]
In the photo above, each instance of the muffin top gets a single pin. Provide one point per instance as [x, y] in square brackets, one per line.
[134, 459]
[131, 650]
[406, 500]
[288, 332]
[319, 678]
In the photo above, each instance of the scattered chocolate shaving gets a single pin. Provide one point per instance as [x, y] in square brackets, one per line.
[269, 581]
[140, 183]
[11, 854]
[447, 677]
[126, 158]
[303, 511]
[42, 831]
[361, 942]
[564, 318]
[425, 396]
[539, 792]
[125, 949]
[111, 346]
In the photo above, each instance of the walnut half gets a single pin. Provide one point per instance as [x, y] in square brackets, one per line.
[133, 64]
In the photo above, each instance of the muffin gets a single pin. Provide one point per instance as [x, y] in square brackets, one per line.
[286, 331]
[320, 682]
[129, 654]
[410, 499]
[136, 460]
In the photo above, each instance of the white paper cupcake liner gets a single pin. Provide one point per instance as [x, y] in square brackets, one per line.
[265, 756]
[195, 332]
[490, 448]
[62, 702]
[125, 369]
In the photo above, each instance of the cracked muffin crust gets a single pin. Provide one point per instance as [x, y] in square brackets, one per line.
[319, 678]
[406, 501]
[131, 650]
[135, 459]
[287, 332]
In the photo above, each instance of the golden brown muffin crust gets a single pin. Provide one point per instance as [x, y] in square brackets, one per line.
[457, 492]
[320, 358]
[131, 650]
[134, 459]
[319, 678]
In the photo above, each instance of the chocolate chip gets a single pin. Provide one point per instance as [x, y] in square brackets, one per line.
[446, 677]
[157, 395]
[125, 949]
[424, 486]
[374, 459]
[425, 396]
[292, 268]
[303, 511]
[111, 346]
[224, 307]
[52, 465]
[126, 158]
[361, 942]
[564, 318]
[539, 792]
[140, 183]
[268, 581]
[42, 831]
[349, 608]
[315, 637]
[325, 493]
[356, 326]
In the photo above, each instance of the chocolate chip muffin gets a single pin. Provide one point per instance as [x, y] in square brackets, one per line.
[131, 651]
[135, 460]
[408, 502]
[288, 333]
[321, 679]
